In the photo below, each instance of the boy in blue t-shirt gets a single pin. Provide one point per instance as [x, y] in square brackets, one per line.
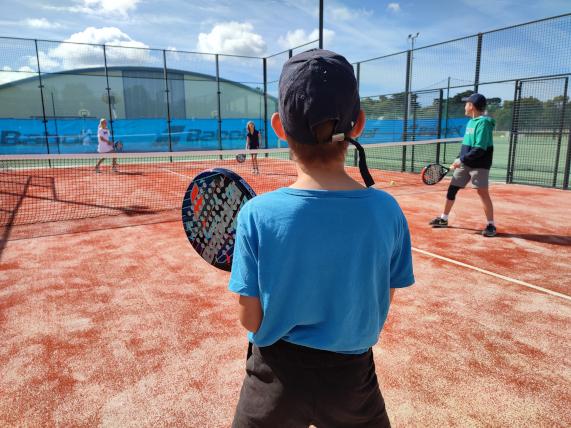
[316, 264]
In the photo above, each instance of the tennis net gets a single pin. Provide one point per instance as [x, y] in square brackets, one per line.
[49, 188]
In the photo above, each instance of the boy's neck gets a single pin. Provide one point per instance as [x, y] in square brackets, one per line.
[476, 114]
[324, 177]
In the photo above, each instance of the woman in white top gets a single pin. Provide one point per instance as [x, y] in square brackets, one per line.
[105, 145]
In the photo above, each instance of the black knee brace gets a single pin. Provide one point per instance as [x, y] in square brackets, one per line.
[452, 190]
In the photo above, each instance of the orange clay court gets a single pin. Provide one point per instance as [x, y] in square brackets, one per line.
[109, 318]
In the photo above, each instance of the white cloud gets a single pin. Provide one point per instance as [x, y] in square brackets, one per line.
[235, 38]
[299, 37]
[67, 56]
[393, 7]
[341, 13]
[41, 23]
[100, 7]
[9, 75]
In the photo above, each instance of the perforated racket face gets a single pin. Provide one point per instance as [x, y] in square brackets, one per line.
[209, 212]
[118, 146]
[433, 173]
[240, 158]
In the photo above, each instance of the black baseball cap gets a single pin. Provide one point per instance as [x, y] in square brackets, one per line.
[478, 100]
[317, 86]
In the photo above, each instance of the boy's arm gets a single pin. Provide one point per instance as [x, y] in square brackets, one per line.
[250, 313]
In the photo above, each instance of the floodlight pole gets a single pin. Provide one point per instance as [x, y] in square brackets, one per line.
[320, 24]
[412, 38]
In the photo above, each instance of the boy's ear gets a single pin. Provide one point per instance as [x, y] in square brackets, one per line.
[277, 126]
[359, 125]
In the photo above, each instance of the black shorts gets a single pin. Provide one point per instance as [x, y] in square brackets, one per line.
[288, 385]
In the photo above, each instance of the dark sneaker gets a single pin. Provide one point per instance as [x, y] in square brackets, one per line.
[438, 222]
[489, 231]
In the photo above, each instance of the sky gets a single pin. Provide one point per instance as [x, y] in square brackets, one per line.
[357, 29]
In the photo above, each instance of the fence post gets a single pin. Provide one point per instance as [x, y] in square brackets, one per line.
[405, 116]
[42, 96]
[439, 125]
[108, 89]
[165, 73]
[218, 104]
[513, 133]
[266, 127]
[478, 62]
[567, 165]
[561, 123]
[355, 153]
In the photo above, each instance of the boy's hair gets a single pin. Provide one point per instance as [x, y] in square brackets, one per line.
[322, 153]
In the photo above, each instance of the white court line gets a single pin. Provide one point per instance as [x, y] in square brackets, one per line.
[496, 275]
[177, 173]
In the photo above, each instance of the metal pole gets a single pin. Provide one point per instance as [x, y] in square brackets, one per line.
[265, 70]
[439, 124]
[447, 102]
[55, 121]
[320, 24]
[355, 153]
[567, 165]
[108, 88]
[405, 116]
[557, 153]
[165, 73]
[513, 133]
[42, 96]
[478, 61]
[218, 104]
[290, 53]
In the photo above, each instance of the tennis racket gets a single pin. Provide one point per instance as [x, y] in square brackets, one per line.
[118, 146]
[209, 213]
[433, 173]
[241, 158]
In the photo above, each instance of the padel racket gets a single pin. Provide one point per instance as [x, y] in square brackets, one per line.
[433, 173]
[209, 213]
[241, 158]
[118, 146]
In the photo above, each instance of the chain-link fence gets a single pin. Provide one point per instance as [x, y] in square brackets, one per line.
[53, 95]
[523, 71]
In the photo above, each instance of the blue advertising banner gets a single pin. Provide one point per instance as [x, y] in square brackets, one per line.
[78, 135]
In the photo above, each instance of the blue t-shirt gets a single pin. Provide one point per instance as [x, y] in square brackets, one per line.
[322, 263]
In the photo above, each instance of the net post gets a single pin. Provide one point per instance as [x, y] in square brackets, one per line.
[265, 73]
[165, 74]
[219, 110]
[439, 124]
[478, 62]
[560, 133]
[44, 120]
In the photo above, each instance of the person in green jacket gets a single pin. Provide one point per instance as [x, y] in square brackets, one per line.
[474, 162]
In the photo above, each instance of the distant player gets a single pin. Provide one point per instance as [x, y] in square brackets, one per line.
[253, 143]
[474, 162]
[105, 145]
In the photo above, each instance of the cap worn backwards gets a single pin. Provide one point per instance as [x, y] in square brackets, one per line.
[317, 86]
